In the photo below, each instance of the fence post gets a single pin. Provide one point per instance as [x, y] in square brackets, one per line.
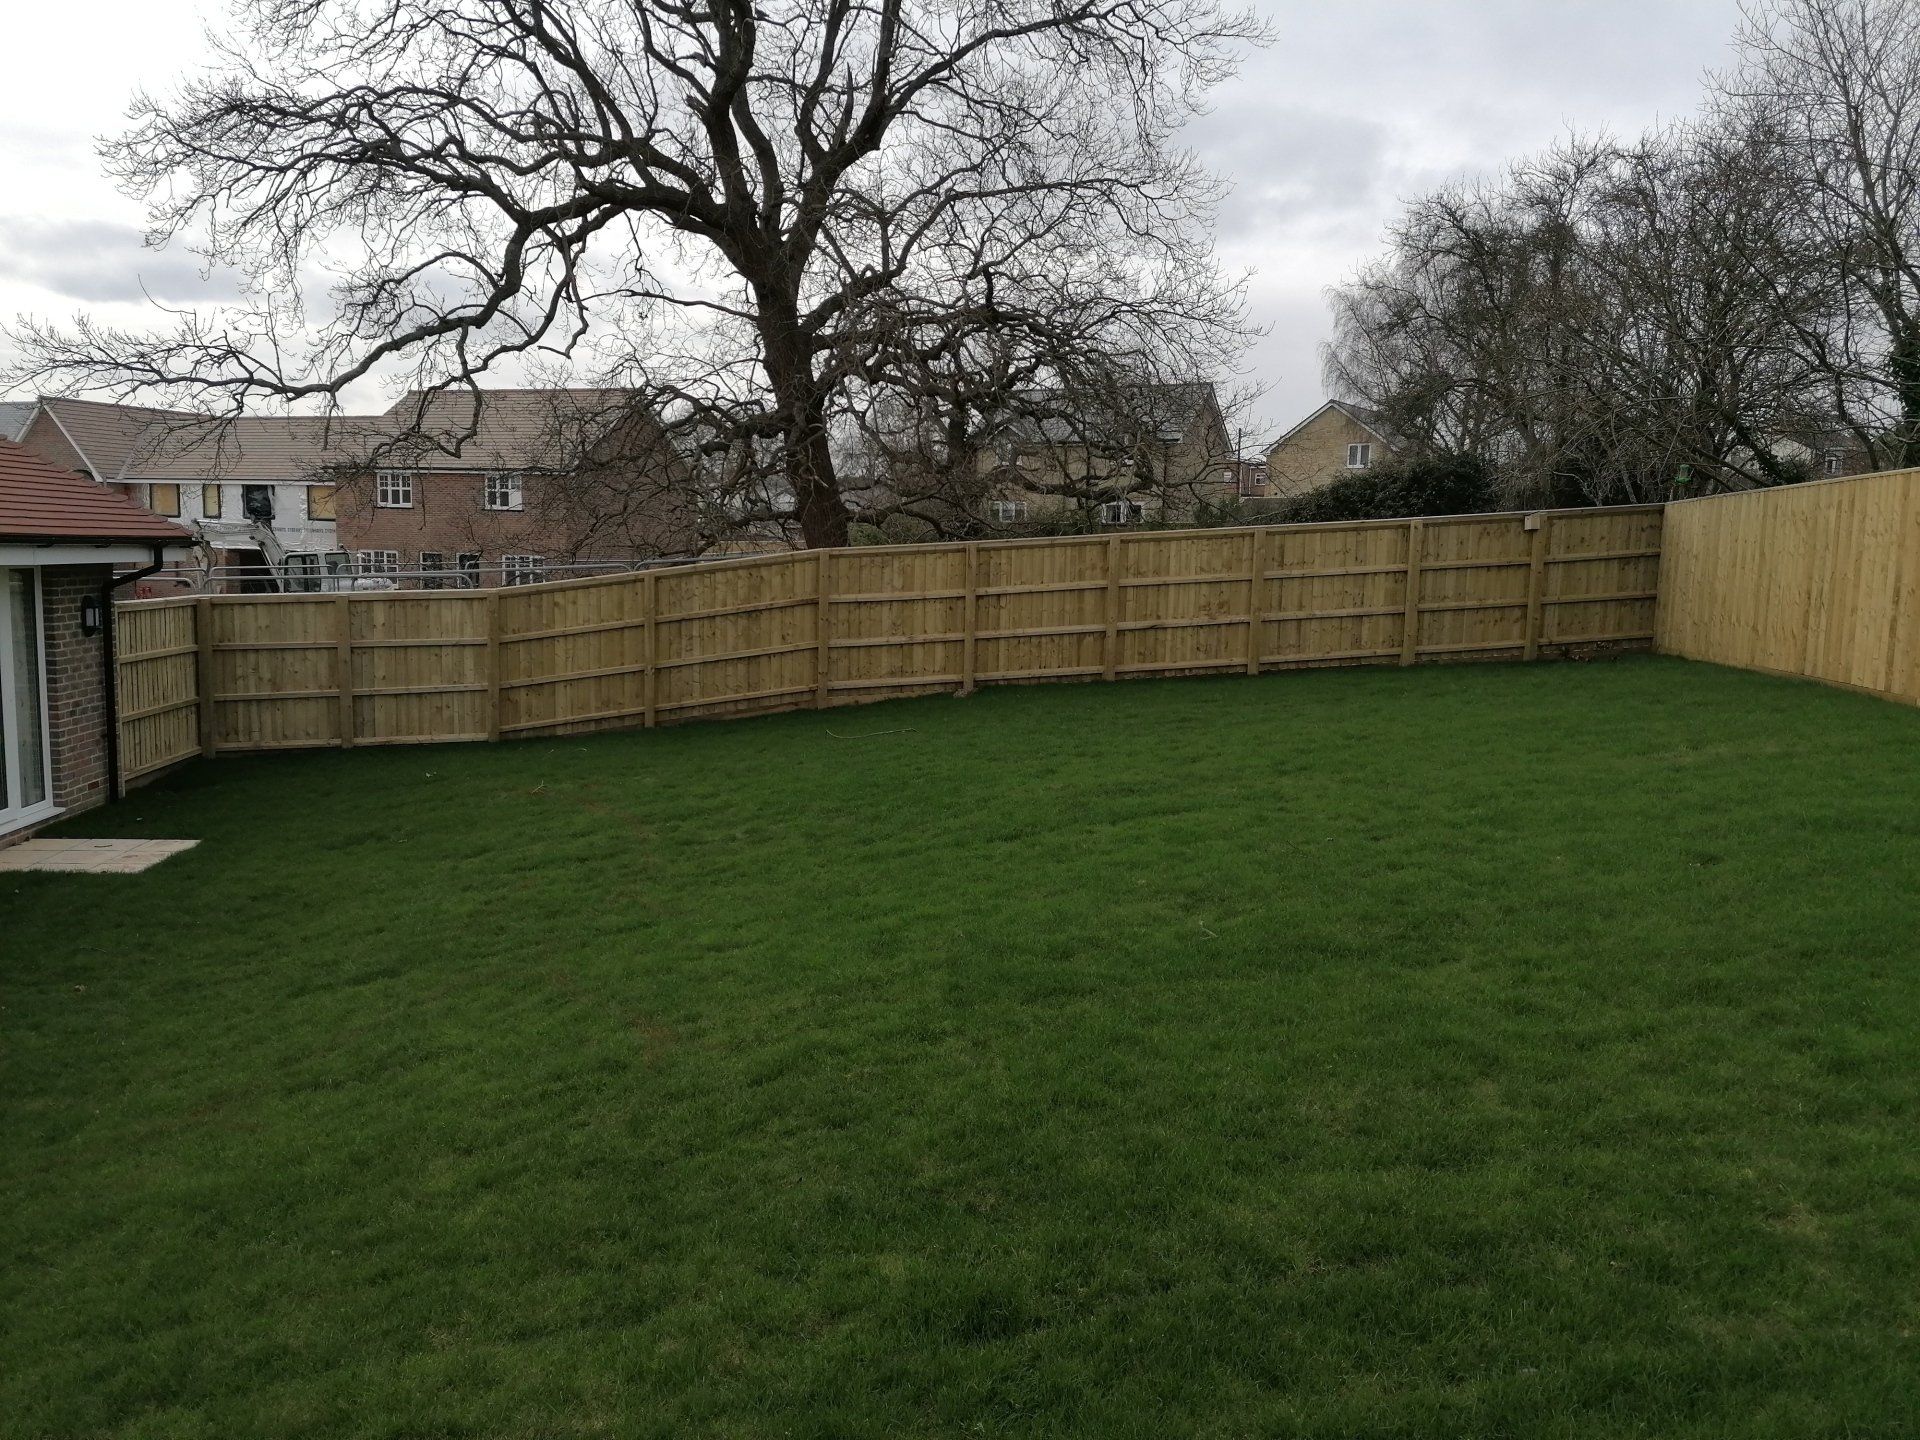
[970, 619]
[822, 632]
[343, 664]
[650, 681]
[1110, 652]
[1256, 589]
[1410, 625]
[203, 670]
[493, 665]
[1536, 581]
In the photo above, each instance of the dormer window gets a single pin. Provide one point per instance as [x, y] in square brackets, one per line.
[1359, 457]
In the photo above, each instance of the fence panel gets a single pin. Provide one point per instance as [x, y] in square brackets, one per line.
[157, 672]
[1820, 580]
[818, 628]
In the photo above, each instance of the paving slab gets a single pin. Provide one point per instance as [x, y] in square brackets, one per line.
[90, 857]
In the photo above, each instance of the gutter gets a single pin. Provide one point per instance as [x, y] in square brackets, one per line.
[113, 665]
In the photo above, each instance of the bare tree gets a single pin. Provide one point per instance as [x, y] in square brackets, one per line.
[824, 186]
[1606, 322]
[1835, 85]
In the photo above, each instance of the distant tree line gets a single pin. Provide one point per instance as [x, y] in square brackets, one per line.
[1712, 306]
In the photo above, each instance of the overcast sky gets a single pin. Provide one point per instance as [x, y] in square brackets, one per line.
[1359, 104]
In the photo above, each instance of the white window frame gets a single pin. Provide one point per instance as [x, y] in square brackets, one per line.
[1830, 462]
[393, 489]
[377, 562]
[13, 813]
[502, 490]
[1360, 455]
[522, 569]
[1123, 512]
[1009, 512]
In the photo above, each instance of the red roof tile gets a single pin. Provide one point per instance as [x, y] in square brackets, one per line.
[40, 501]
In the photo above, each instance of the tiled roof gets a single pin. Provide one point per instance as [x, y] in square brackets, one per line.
[14, 415]
[508, 429]
[261, 448]
[39, 501]
[1054, 417]
[454, 430]
[105, 434]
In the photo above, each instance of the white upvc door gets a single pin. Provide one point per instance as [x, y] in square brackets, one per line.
[26, 762]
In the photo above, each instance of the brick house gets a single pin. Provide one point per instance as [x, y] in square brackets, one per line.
[454, 487]
[1337, 440]
[62, 540]
[513, 486]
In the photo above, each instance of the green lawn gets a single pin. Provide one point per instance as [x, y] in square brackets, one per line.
[1476, 1051]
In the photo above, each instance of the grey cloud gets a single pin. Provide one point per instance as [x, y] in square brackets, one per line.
[1291, 166]
[104, 261]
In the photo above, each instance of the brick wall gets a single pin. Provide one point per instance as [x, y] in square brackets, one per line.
[46, 439]
[76, 692]
[76, 687]
[561, 518]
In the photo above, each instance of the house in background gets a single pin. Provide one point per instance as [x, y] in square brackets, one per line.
[1250, 479]
[457, 487]
[1337, 440]
[255, 490]
[1827, 454]
[250, 490]
[514, 486]
[1157, 454]
[62, 540]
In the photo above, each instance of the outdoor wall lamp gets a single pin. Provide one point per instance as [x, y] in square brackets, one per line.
[90, 615]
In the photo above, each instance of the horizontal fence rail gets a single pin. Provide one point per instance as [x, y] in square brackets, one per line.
[1820, 580]
[816, 628]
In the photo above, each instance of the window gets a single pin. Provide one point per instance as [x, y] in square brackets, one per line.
[210, 503]
[320, 502]
[433, 569]
[522, 569]
[256, 503]
[503, 491]
[1830, 462]
[379, 562]
[393, 489]
[163, 499]
[1122, 512]
[469, 566]
[1359, 457]
[1007, 512]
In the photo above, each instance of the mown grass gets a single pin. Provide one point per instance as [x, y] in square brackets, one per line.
[1481, 1051]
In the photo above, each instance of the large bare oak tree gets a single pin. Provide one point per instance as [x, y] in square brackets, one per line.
[761, 212]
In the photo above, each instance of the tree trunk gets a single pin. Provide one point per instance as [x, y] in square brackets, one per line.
[805, 449]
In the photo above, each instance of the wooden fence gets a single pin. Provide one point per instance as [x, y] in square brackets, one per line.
[818, 628]
[1820, 580]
